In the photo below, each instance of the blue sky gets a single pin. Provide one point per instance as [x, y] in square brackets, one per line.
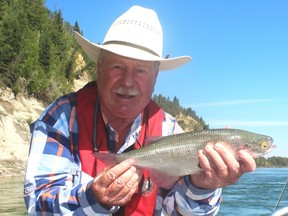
[238, 76]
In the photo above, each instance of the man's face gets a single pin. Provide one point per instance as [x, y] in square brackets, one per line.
[125, 85]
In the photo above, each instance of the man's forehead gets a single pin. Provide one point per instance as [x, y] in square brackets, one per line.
[119, 58]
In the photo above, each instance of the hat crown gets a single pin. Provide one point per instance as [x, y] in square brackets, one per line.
[136, 34]
[138, 27]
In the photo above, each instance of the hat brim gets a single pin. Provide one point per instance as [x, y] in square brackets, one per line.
[93, 50]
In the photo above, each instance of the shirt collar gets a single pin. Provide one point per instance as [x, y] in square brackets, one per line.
[133, 134]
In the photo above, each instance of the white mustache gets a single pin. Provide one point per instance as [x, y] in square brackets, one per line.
[127, 92]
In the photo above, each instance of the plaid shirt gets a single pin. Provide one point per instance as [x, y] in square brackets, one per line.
[55, 184]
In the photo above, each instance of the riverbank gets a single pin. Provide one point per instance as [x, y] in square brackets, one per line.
[16, 114]
[12, 168]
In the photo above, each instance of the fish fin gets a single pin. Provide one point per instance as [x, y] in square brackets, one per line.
[108, 159]
[162, 179]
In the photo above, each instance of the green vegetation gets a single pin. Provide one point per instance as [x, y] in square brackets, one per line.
[174, 108]
[37, 51]
[272, 162]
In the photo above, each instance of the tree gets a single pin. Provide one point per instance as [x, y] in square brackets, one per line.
[37, 50]
[3, 8]
[174, 108]
[10, 43]
[77, 28]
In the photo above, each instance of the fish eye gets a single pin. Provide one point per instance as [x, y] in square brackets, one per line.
[264, 145]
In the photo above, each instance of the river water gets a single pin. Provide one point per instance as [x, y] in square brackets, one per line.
[11, 198]
[255, 194]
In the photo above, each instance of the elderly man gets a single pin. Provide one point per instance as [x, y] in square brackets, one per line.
[115, 114]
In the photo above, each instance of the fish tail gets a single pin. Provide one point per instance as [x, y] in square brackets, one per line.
[108, 159]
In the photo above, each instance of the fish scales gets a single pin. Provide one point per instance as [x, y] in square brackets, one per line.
[176, 155]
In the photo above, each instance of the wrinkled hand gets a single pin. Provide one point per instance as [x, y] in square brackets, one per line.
[220, 167]
[116, 186]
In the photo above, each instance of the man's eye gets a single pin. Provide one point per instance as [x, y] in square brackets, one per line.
[140, 70]
[118, 67]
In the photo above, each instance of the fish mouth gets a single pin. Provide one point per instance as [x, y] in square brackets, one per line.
[259, 154]
[272, 147]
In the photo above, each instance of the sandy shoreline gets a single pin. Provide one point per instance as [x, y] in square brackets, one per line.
[12, 168]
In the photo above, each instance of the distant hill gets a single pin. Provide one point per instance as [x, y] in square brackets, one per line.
[186, 117]
[272, 162]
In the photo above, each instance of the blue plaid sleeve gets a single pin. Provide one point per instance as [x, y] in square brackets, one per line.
[184, 199]
[53, 181]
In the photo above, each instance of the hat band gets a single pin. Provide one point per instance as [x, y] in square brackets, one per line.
[131, 45]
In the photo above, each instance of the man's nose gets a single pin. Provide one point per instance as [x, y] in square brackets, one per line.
[128, 78]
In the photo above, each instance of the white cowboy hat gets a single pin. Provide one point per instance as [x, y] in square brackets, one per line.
[135, 34]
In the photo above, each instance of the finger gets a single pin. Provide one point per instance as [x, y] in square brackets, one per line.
[117, 191]
[113, 173]
[231, 164]
[216, 161]
[248, 163]
[130, 187]
[135, 180]
[205, 164]
[123, 188]
[207, 178]
[122, 180]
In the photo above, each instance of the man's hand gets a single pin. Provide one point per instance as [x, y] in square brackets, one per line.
[116, 186]
[220, 167]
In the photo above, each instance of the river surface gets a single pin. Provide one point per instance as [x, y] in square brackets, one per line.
[11, 196]
[256, 193]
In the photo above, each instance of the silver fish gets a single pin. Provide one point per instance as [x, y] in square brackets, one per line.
[176, 155]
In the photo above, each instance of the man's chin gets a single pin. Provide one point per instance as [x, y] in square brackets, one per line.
[126, 113]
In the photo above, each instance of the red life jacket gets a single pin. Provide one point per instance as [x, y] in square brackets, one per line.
[141, 203]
